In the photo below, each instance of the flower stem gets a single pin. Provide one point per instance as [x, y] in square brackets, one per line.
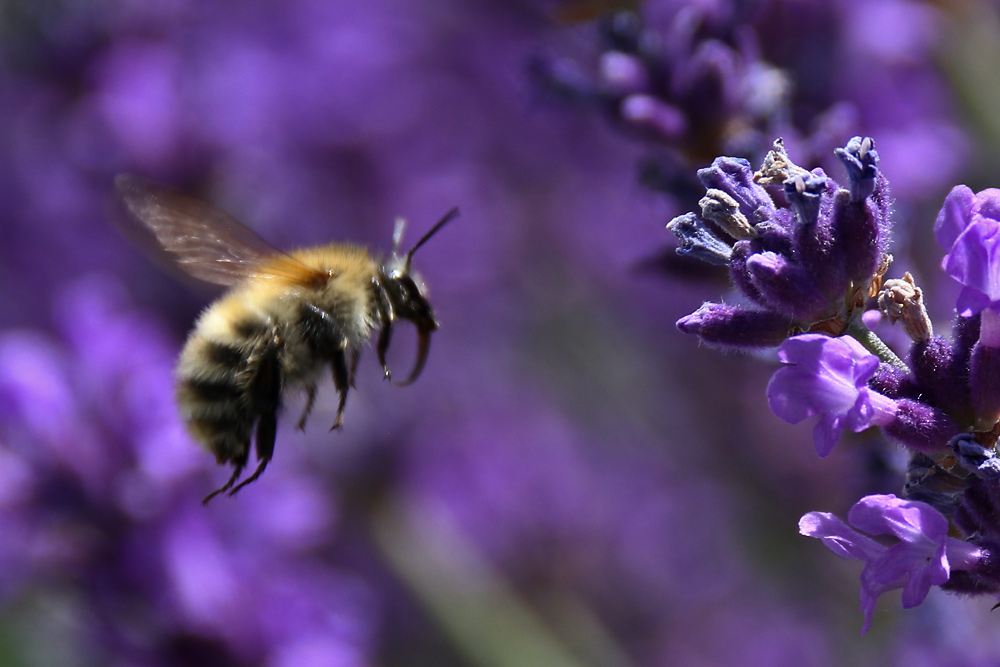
[860, 332]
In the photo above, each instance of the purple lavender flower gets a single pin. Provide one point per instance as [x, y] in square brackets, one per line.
[924, 556]
[693, 82]
[703, 79]
[809, 260]
[828, 377]
[968, 228]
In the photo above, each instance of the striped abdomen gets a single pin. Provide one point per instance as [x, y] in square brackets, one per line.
[227, 377]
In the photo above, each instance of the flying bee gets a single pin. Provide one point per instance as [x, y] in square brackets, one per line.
[285, 317]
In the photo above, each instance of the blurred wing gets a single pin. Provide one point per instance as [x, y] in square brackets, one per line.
[201, 239]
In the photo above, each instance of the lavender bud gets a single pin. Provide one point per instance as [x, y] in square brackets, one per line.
[804, 192]
[861, 160]
[975, 456]
[735, 177]
[785, 286]
[860, 242]
[942, 375]
[734, 326]
[698, 241]
[893, 382]
[921, 427]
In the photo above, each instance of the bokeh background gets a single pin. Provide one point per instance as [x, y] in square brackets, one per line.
[572, 481]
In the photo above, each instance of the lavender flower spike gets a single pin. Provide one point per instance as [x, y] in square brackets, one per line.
[828, 377]
[968, 227]
[808, 256]
[923, 557]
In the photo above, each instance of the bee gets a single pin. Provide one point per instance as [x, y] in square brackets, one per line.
[285, 317]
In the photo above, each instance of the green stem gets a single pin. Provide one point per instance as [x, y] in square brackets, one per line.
[861, 333]
[477, 608]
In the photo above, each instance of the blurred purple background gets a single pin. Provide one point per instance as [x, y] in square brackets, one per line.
[572, 481]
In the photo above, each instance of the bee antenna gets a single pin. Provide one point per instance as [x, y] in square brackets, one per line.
[397, 233]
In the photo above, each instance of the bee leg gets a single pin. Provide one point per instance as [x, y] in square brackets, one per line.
[355, 356]
[267, 427]
[310, 399]
[266, 392]
[341, 380]
[227, 485]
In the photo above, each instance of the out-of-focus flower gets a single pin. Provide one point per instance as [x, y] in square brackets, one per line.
[923, 557]
[98, 473]
[696, 80]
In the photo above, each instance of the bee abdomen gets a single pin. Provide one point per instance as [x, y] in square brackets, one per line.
[213, 397]
[217, 415]
[222, 393]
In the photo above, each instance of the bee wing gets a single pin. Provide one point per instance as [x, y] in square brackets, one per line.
[201, 239]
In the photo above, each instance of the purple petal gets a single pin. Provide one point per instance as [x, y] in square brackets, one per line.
[968, 228]
[826, 376]
[974, 256]
[826, 433]
[987, 203]
[838, 537]
[870, 592]
[935, 572]
[971, 301]
[908, 520]
[954, 216]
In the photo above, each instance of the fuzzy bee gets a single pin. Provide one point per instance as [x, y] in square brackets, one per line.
[285, 317]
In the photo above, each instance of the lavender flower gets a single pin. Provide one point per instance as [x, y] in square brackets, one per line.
[924, 556]
[815, 260]
[828, 377]
[697, 78]
[703, 79]
[968, 228]
[808, 261]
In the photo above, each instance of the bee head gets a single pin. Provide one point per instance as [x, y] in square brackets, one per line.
[402, 297]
